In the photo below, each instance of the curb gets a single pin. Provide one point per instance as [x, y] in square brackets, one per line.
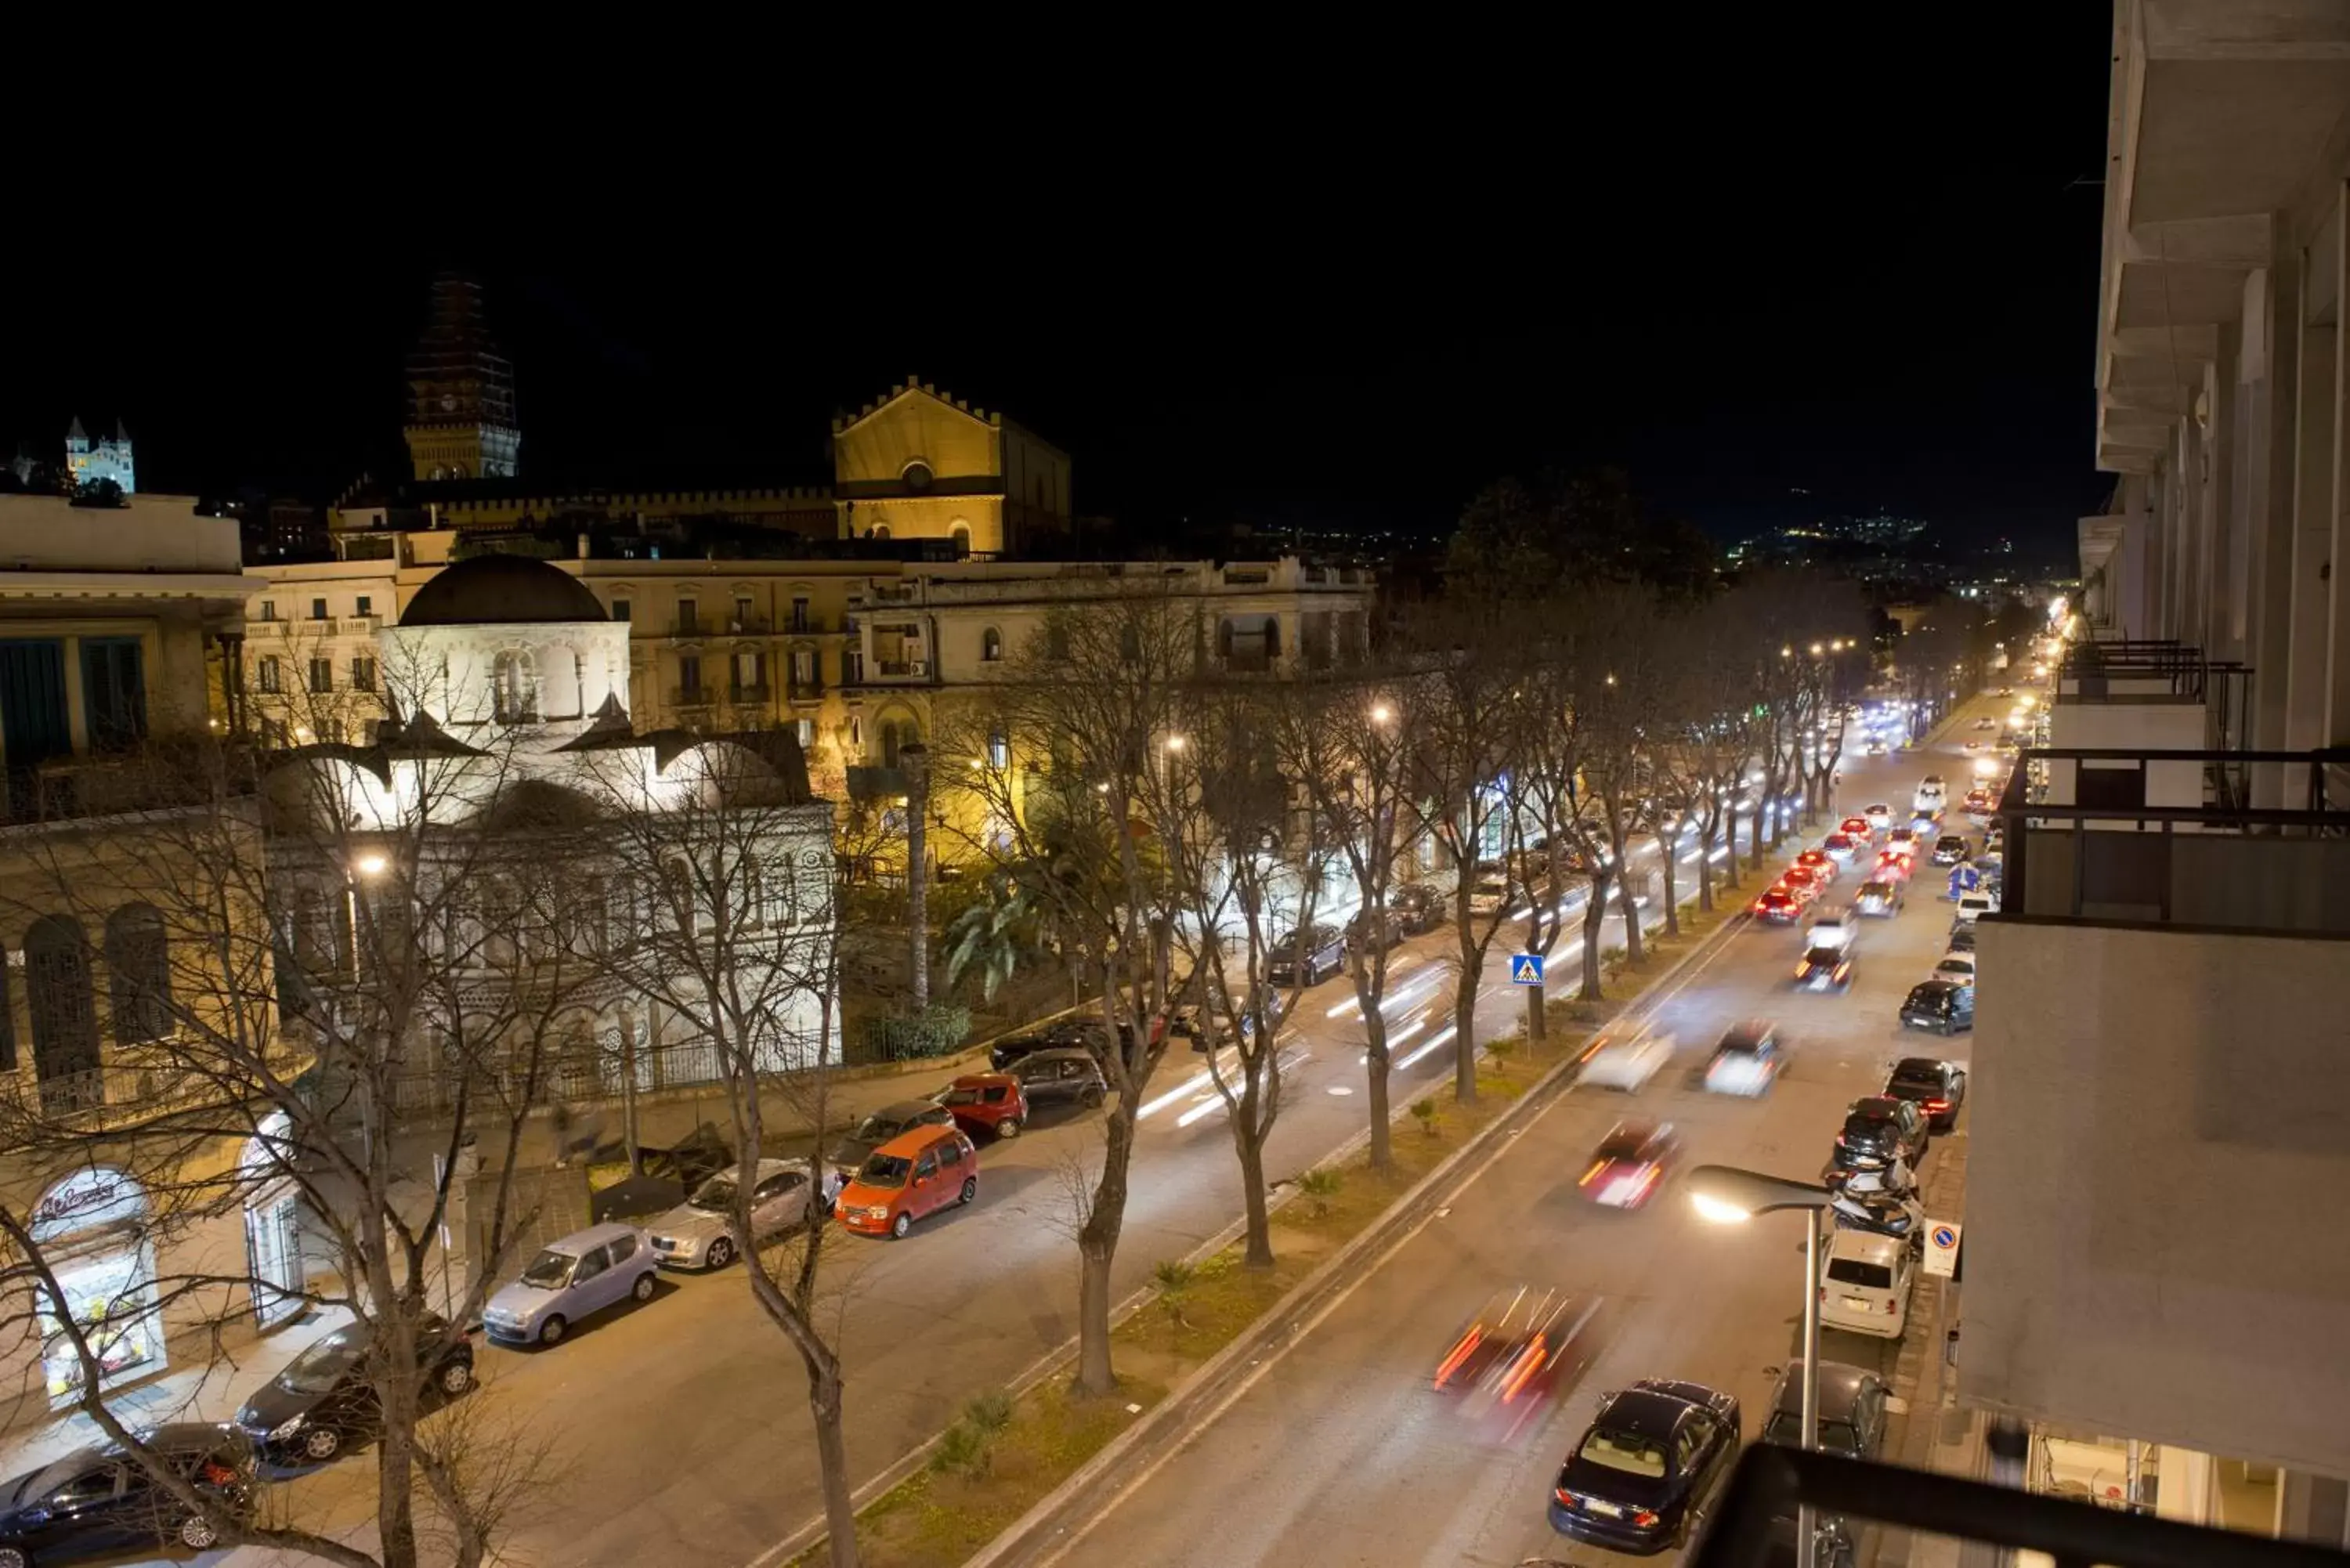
[1136, 1451]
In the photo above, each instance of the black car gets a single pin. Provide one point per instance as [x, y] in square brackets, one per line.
[97, 1500]
[1938, 1088]
[1879, 1130]
[1961, 938]
[1012, 1048]
[667, 1175]
[1061, 1076]
[1325, 951]
[1852, 1411]
[1824, 968]
[1358, 929]
[1944, 1006]
[877, 1130]
[1949, 850]
[325, 1399]
[1639, 1479]
[1416, 909]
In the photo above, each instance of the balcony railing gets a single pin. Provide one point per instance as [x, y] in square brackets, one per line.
[901, 668]
[689, 625]
[572, 1079]
[755, 695]
[1753, 1524]
[2101, 850]
[693, 696]
[804, 691]
[127, 1090]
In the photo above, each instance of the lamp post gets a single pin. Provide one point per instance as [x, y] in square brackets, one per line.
[1729, 1196]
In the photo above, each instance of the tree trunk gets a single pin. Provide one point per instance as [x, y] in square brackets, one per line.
[1097, 1248]
[1249, 1141]
[917, 761]
[1464, 1037]
[1672, 905]
[1595, 923]
[1705, 831]
[832, 1460]
[1632, 942]
[394, 1461]
[1730, 837]
[1375, 1034]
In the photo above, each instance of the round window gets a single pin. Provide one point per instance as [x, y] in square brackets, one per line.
[917, 475]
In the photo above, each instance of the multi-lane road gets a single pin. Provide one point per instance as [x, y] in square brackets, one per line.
[677, 1430]
[1340, 1453]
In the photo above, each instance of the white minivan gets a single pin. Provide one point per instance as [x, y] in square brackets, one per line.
[1975, 905]
[1865, 1283]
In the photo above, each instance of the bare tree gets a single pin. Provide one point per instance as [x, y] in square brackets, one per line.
[737, 945]
[1072, 750]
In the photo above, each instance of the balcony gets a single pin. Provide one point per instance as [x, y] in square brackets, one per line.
[359, 625]
[128, 1092]
[749, 625]
[693, 696]
[899, 670]
[754, 696]
[805, 691]
[877, 784]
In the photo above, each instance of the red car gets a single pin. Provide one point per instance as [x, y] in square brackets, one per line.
[1819, 863]
[1779, 907]
[986, 1102]
[1893, 866]
[1857, 827]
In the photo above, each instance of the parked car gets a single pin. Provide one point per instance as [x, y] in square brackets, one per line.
[1865, 1283]
[1941, 1005]
[98, 1502]
[1631, 1163]
[1491, 891]
[580, 1275]
[1626, 1062]
[1418, 907]
[1851, 1415]
[698, 1233]
[1961, 938]
[1066, 1076]
[1935, 1088]
[323, 1400]
[1746, 1060]
[1949, 850]
[1638, 1478]
[1878, 1130]
[666, 1175]
[1955, 965]
[1359, 929]
[1324, 949]
[910, 1177]
[989, 1103]
[1880, 895]
[1976, 904]
[850, 1154]
[1012, 1048]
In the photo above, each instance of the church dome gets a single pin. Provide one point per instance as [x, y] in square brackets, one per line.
[502, 590]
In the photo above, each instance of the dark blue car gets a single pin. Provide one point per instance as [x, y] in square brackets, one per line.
[1639, 1479]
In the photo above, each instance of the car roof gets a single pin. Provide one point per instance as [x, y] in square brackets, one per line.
[905, 1110]
[1930, 989]
[1061, 1053]
[1918, 1064]
[593, 1236]
[1880, 1107]
[1644, 1412]
[1840, 1387]
[982, 1080]
[1748, 1031]
[907, 1144]
[1864, 1247]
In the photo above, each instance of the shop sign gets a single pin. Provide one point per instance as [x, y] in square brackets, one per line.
[83, 1200]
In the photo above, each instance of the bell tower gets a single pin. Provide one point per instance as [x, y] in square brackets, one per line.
[461, 401]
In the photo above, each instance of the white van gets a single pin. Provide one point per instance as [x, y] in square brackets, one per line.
[1865, 1283]
[1973, 906]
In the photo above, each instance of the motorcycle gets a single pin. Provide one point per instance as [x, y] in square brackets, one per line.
[1898, 1215]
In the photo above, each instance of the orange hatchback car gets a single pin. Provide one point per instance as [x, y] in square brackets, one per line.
[912, 1176]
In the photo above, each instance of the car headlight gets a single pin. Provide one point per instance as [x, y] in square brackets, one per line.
[286, 1428]
[876, 1212]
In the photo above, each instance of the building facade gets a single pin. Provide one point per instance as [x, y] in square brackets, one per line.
[108, 459]
[2153, 1270]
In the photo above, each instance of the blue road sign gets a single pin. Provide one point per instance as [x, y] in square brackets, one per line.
[1525, 969]
[1945, 1237]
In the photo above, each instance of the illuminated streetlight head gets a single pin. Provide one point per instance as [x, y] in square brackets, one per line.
[1785, 651]
[1174, 742]
[1818, 649]
[371, 864]
[1381, 712]
[1717, 1210]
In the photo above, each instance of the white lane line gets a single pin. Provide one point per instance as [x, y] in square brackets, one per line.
[1399, 1036]
[1436, 1043]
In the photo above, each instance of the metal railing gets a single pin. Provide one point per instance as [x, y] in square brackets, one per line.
[570, 1079]
[693, 696]
[1772, 1482]
[754, 693]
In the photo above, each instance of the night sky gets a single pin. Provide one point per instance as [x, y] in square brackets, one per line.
[1796, 274]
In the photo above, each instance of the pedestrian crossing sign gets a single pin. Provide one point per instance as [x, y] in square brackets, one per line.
[1525, 969]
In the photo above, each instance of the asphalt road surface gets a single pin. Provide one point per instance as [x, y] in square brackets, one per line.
[677, 1431]
[1341, 1454]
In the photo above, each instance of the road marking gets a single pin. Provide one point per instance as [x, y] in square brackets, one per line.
[1436, 1043]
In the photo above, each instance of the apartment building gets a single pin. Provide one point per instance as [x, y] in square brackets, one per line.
[2162, 1115]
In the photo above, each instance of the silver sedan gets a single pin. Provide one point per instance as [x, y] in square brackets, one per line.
[697, 1233]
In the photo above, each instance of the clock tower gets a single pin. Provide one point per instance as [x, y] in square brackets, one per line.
[461, 403]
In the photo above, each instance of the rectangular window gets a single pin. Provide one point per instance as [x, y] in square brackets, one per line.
[268, 674]
[269, 609]
[852, 666]
[366, 605]
[742, 613]
[804, 667]
[689, 616]
[33, 722]
[806, 731]
[362, 673]
[750, 671]
[318, 610]
[800, 615]
[113, 691]
[855, 736]
[620, 611]
[273, 733]
[322, 675]
[689, 675]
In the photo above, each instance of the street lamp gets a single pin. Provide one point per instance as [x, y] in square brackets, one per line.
[1727, 1194]
[1818, 649]
[1381, 713]
[1174, 742]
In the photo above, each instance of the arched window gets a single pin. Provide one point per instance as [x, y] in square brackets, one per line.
[960, 533]
[514, 687]
[139, 974]
[991, 646]
[64, 1014]
[879, 530]
[896, 734]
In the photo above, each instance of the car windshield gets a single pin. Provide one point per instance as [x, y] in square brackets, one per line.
[1823, 956]
[879, 1129]
[717, 1195]
[325, 1363]
[884, 1171]
[1876, 890]
[1853, 1272]
[1786, 1427]
[1626, 1145]
[549, 1270]
[1921, 1082]
[1627, 1451]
